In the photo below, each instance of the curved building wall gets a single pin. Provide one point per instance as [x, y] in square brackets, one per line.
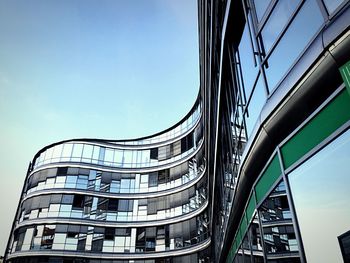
[143, 200]
[276, 84]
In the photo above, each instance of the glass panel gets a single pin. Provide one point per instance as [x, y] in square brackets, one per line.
[57, 150]
[277, 21]
[276, 207]
[247, 61]
[291, 45]
[67, 150]
[96, 153]
[332, 4]
[260, 7]
[59, 240]
[77, 151]
[87, 153]
[278, 231]
[255, 105]
[118, 156]
[109, 156]
[256, 240]
[127, 156]
[320, 189]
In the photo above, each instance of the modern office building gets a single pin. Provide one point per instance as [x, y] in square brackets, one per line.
[141, 200]
[256, 172]
[277, 116]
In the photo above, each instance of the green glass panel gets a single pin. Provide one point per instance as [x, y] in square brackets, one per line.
[335, 114]
[268, 178]
[250, 207]
[345, 73]
[243, 227]
[233, 250]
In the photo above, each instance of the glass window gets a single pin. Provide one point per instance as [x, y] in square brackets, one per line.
[96, 154]
[109, 156]
[320, 190]
[82, 182]
[71, 181]
[65, 210]
[101, 155]
[278, 231]
[127, 156]
[67, 199]
[60, 180]
[246, 56]
[87, 152]
[118, 156]
[57, 150]
[292, 44]
[332, 5]
[48, 236]
[125, 185]
[59, 241]
[77, 152]
[255, 105]
[28, 239]
[67, 151]
[260, 8]
[256, 240]
[277, 21]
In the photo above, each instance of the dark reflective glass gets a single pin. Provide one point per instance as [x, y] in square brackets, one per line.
[277, 226]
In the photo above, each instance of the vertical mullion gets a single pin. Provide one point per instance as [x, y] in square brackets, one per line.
[292, 209]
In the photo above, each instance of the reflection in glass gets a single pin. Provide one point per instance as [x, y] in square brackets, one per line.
[320, 189]
[332, 5]
[291, 44]
[255, 105]
[260, 8]
[246, 56]
[277, 225]
[256, 240]
[277, 21]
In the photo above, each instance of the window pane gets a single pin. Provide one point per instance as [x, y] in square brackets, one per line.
[260, 7]
[247, 61]
[332, 4]
[291, 45]
[87, 153]
[67, 150]
[320, 189]
[277, 21]
[255, 105]
[77, 151]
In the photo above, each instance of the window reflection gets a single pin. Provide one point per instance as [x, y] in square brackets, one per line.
[291, 44]
[260, 8]
[255, 105]
[320, 189]
[109, 239]
[75, 178]
[332, 5]
[277, 226]
[277, 21]
[107, 156]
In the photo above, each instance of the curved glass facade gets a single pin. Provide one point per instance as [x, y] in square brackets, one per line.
[256, 172]
[276, 75]
[131, 201]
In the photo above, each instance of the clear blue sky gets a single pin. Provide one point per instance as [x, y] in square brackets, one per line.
[80, 68]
